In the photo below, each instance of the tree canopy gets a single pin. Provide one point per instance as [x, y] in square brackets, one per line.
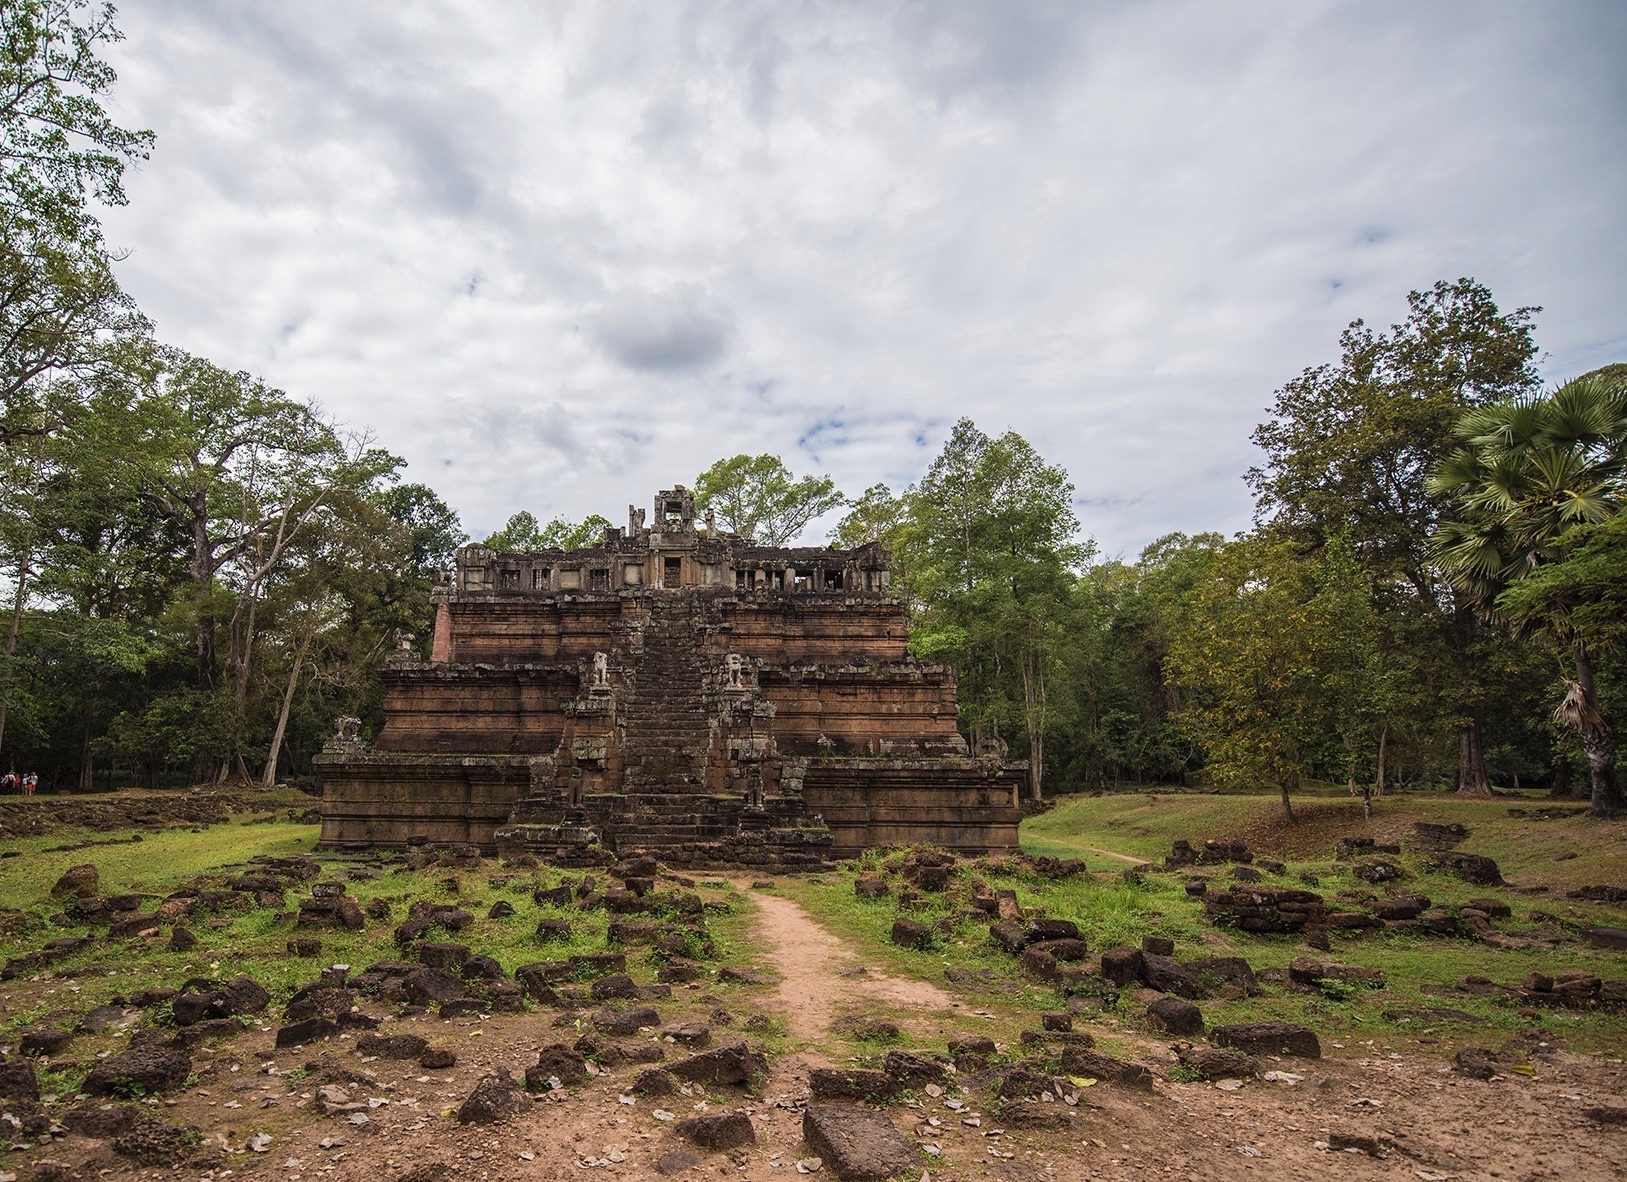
[758, 497]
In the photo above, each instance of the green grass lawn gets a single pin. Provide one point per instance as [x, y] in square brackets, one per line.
[256, 942]
[1111, 910]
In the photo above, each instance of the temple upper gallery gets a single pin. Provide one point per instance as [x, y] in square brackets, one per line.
[676, 690]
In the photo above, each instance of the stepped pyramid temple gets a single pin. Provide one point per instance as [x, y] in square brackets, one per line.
[674, 690]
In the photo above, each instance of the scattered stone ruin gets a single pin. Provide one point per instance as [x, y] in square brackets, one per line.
[675, 690]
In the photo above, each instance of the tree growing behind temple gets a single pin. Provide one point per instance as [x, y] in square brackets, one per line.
[521, 534]
[1277, 659]
[1349, 450]
[988, 554]
[1530, 470]
[60, 152]
[759, 497]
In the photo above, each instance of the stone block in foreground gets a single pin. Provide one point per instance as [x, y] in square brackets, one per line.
[858, 1144]
[1268, 1038]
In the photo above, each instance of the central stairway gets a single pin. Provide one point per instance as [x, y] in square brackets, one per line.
[668, 736]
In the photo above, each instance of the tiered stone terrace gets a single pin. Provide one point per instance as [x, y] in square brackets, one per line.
[677, 690]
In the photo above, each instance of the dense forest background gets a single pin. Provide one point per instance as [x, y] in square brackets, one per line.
[201, 572]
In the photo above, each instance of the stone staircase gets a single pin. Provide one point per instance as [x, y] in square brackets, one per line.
[668, 737]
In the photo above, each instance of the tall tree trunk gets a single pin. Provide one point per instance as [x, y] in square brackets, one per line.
[1034, 713]
[1562, 787]
[1598, 742]
[87, 776]
[1287, 804]
[203, 576]
[242, 645]
[17, 605]
[268, 778]
[1378, 774]
[1472, 778]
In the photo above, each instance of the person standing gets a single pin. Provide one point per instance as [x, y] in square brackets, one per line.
[30, 782]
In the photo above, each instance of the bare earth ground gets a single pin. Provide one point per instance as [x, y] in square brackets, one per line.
[1431, 1124]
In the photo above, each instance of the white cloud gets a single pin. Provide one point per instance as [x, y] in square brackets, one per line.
[561, 259]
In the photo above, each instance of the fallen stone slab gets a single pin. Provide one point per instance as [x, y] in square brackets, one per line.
[1008, 935]
[77, 882]
[1169, 976]
[18, 1082]
[1036, 1114]
[152, 1069]
[654, 1082]
[615, 986]
[909, 933]
[1122, 966]
[1217, 1063]
[391, 1046]
[437, 1059]
[717, 1130]
[695, 1035]
[45, 1042]
[832, 1083]
[1093, 1064]
[311, 1030]
[154, 1142]
[495, 1098]
[858, 1144]
[1603, 937]
[1305, 971]
[914, 1071]
[1268, 1038]
[1475, 868]
[208, 1030]
[728, 1064]
[625, 1022]
[556, 1062]
[1175, 1016]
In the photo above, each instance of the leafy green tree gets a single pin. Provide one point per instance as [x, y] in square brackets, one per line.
[59, 152]
[1531, 469]
[521, 534]
[1277, 674]
[240, 467]
[58, 148]
[758, 497]
[988, 558]
[876, 516]
[1349, 449]
[433, 529]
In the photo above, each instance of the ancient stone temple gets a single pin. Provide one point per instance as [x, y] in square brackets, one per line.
[676, 690]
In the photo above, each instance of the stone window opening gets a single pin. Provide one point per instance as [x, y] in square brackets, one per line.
[509, 579]
[675, 510]
[672, 571]
[833, 580]
[742, 580]
[804, 580]
[599, 580]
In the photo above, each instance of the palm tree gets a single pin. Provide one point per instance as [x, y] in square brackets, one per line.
[1528, 471]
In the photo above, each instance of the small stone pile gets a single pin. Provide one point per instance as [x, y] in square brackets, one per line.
[1212, 853]
[1255, 908]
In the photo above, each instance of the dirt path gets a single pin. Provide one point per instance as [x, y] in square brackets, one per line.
[820, 977]
[1117, 857]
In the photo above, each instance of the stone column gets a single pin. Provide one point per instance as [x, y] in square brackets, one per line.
[440, 649]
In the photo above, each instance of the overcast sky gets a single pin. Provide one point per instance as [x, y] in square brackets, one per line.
[560, 255]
